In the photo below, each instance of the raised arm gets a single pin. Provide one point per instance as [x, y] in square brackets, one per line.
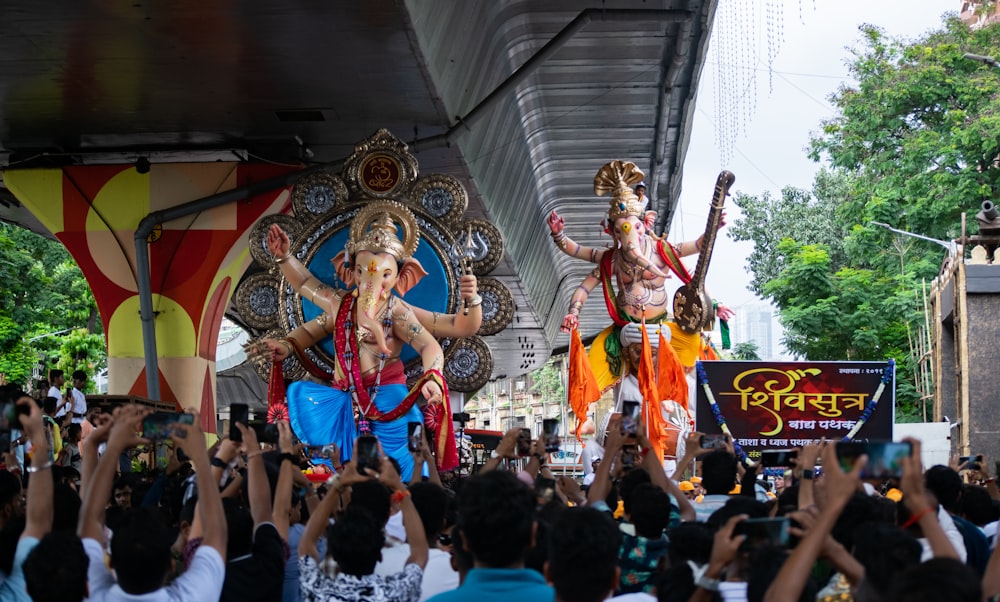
[658, 477]
[39, 503]
[127, 422]
[297, 275]
[462, 324]
[504, 449]
[572, 317]
[191, 439]
[283, 490]
[601, 486]
[556, 225]
[258, 486]
[415, 535]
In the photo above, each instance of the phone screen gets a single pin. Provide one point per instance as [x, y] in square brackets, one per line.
[367, 453]
[630, 417]
[713, 442]
[156, 426]
[266, 432]
[763, 532]
[629, 455]
[414, 436]
[550, 431]
[778, 457]
[524, 443]
[238, 412]
[884, 457]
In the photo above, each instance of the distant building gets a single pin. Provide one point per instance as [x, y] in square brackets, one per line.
[980, 14]
[756, 323]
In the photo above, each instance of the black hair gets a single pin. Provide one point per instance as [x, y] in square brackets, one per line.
[79, 375]
[934, 580]
[56, 569]
[650, 510]
[860, 510]
[461, 558]
[73, 430]
[49, 405]
[976, 505]
[735, 505]
[690, 541]
[628, 483]
[884, 551]
[10, 487]
[140, 550]
[374, 497]
[496, 513]
[54, 374]
[431, 503]
[946, 486]
[765, 563]
[677, 585]
[718, 472]
[355, 541]
[66, 505]
[583, 555]
[239, 523]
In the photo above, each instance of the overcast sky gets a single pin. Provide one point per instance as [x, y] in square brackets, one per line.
[768, 153]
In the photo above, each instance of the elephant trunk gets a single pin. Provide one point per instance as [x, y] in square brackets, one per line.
[367, 319]
[630, 254]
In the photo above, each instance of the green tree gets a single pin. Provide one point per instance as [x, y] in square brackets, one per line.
[746, 351]
[47, 310]
[547, 381]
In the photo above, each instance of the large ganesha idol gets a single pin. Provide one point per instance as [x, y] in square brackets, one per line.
[640, 263]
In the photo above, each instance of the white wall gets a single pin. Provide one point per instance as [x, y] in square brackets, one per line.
[935, 438]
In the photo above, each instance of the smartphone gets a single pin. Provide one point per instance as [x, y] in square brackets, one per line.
[156, 426]
[763, 532]
[778, 457]
[524, 443]
[266, 432]
[713, 442]
[884, 457]
[238, 412]
[550, 432]
[367, 453]
[630, 417]
[545, 489]
[414, 436]
[630, 453]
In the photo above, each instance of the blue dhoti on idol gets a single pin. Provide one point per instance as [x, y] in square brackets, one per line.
[321, 414]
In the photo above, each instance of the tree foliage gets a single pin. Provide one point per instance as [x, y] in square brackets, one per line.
[913, 145]
[47, 311]
[746, 351]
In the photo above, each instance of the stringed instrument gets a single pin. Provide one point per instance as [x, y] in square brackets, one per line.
[693, 308]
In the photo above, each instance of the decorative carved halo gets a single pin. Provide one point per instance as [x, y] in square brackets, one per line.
[256, 299]
[258, 236]
[468, 365]
[498, 306]
[381, 166]
[399, 214]
[441, 196]
[486, 250]
[316, 194]
[291, 367]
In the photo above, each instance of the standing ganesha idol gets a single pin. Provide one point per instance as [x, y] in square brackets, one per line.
[367, 392]
[639, 263]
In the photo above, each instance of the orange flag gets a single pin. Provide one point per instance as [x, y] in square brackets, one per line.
[670, 379]
[582, 389]
[652, 416]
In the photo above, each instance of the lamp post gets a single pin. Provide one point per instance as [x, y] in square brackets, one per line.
[948, 244]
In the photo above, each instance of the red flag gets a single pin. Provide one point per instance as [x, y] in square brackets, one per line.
[582, 389]
[652, 416]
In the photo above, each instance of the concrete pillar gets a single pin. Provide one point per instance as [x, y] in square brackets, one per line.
[195, 262]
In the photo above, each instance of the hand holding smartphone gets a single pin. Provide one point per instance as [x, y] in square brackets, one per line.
[550, 432]
[630, 417]
[367, 454]
[238, 413]
[884, 457]
[763, 532]
[524, 443]
[778, 457]
[414, 436]
[713, 442]
[157, 426]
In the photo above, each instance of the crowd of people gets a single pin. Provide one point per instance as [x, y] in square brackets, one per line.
[241, 521]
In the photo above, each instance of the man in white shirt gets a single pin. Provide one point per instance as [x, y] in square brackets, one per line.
[79, 401]
[57, 380]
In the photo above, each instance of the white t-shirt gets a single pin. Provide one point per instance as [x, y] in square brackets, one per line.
[79, 406]
[55, 392]
[201, 581]
[438, 575]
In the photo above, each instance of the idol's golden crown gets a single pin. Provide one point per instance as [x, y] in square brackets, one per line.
[618, 178]
[374, 229]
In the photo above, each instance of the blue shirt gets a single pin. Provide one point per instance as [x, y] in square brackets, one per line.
[500, 585]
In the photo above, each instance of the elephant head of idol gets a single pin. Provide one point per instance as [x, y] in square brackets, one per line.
[375, 261]
[629, 224]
